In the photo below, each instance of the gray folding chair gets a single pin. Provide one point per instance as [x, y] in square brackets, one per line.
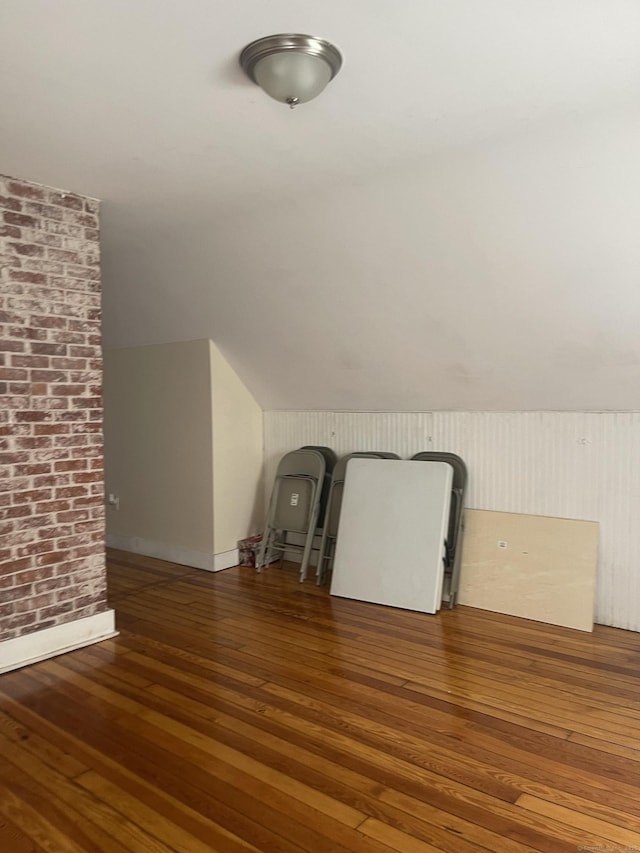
[453, 556]
[330, 460]
[332, 515]
[294, 506]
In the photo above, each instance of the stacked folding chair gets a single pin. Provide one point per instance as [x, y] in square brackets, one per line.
[453, 554]
[295, 506]
[332, 515]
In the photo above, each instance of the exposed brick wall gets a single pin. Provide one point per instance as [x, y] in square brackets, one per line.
[52, 565]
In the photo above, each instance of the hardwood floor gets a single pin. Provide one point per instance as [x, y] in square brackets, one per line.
[238, 712]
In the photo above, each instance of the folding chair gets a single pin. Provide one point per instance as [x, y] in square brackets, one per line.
[330, 460]
[332, 515]
[294, 506]
[453, 555]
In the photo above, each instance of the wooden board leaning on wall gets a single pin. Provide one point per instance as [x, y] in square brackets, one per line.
[531, 566]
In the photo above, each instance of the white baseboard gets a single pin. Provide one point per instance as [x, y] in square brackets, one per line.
[39, 645]
[226, 560]
[174, 553]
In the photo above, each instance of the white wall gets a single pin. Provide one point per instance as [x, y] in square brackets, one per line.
[568, 464]
[238, 456]
[158, 447]
[183, 454]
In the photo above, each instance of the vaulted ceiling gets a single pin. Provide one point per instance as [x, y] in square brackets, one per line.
[453, 223]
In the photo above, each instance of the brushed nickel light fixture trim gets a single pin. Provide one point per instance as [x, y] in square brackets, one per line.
[291, 67]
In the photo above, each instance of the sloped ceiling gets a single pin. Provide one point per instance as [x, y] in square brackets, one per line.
[453, 223]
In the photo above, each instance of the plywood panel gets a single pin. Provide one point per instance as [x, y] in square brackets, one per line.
[532, 566]
[393, 524]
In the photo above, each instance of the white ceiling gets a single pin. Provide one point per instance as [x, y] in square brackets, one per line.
[453, 223]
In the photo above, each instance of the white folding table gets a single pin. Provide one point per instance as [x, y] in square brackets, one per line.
[391, 536]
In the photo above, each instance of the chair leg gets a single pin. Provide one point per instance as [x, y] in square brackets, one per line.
[263, 550]
[321, 553]
[311, 532]
[306, 555]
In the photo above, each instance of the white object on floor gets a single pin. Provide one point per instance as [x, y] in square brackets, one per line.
[391, 537]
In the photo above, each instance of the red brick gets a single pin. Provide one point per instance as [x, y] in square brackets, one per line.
[87, 402]
[66, 390]
[10, 231]
[17, 592]
[19, 360]
[13, 346]
[16, 483]
[66, 337]
[72, 364]
[10, 203]
[74, 415]
[43, 211]
[94, 430]
[52, 558]
[54, 584]
[54, 506]
[18, 565]
[51, 429]
[11, 317]
[49, 322]
[89, 477]
[34, 548]
[35, 602]
[88, 550]
[17, 511]
[68, 200]
[39, 404]
[29, 249]
[72, 541]
[83, 352]
[34, 575]
[21, 620]
[88, 502]
[13, 218]
[32, 443]
[27, 333]
[56, 609]
[49, 349]
[71, 491]
[56, 531]
[32, 495]
[13, 373]
[18, 389]
[27, 190]
[32, 417]
[42, 265]
[71, 465]
[33, 277]
[52, 480]
[29, 469]
[73, 516]
[73, 441]
[48, 376]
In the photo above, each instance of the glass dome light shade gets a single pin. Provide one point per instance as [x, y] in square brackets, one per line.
[291, 76]
[291, 67]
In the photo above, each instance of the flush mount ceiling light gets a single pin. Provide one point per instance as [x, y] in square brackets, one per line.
[292, 68]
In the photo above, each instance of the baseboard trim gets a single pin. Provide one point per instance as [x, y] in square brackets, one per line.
[40, 645]
[174, 553]
[226, 560]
